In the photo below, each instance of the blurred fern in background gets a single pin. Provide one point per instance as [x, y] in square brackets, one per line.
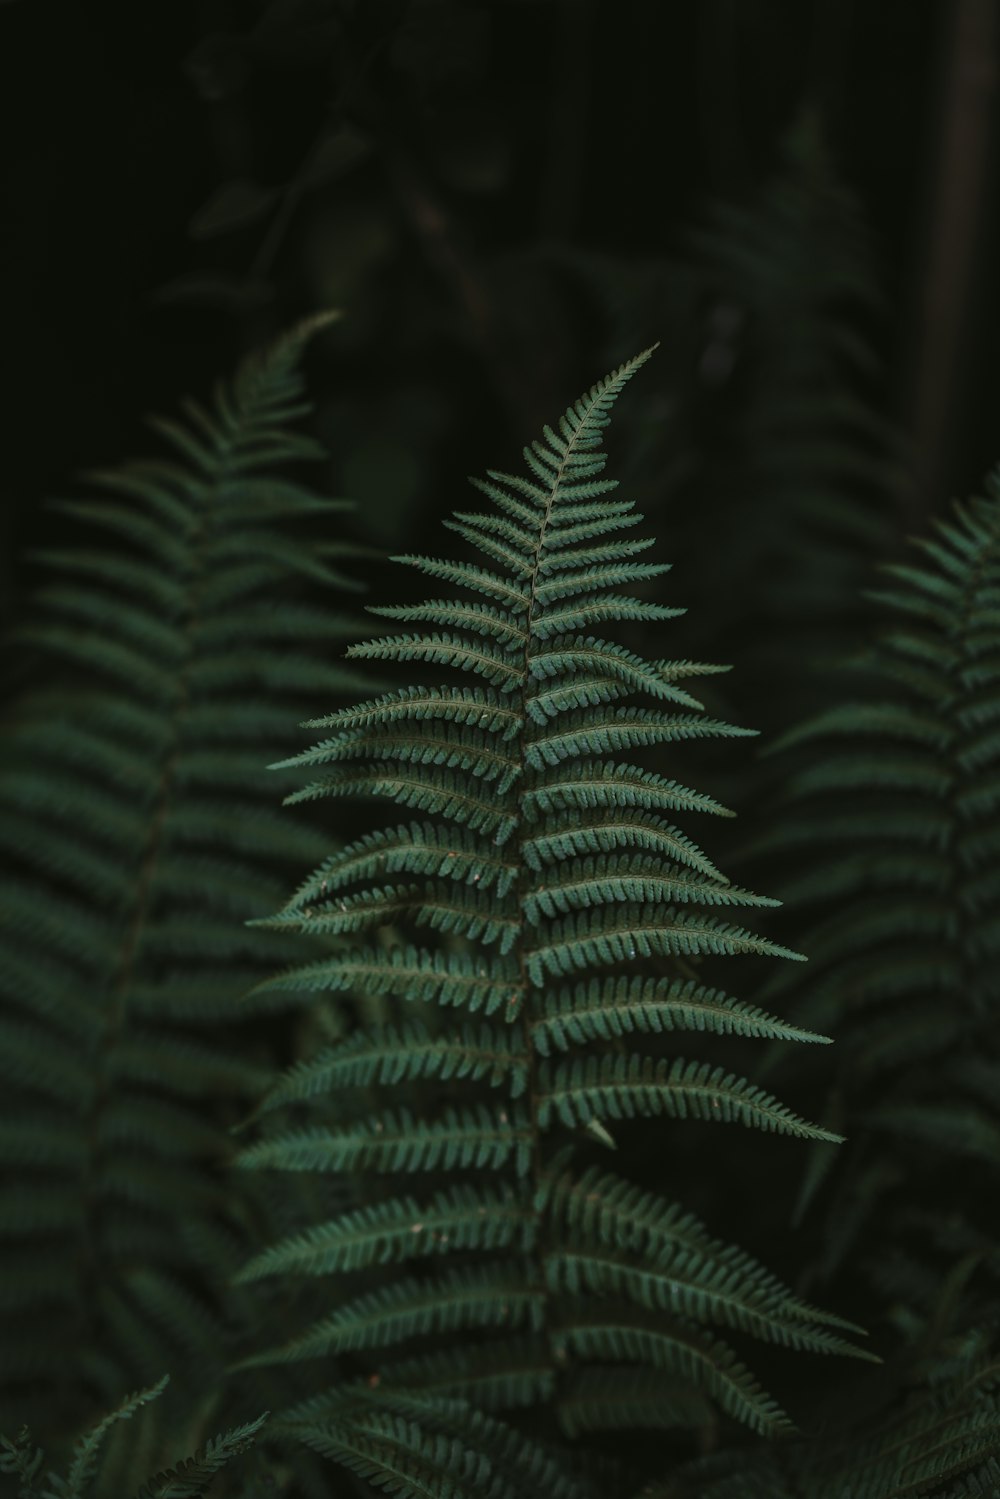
[172, 654]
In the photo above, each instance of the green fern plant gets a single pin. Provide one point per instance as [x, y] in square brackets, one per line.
[542, 913]
[137, 836]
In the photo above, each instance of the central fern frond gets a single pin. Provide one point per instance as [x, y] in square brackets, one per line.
[542, 888]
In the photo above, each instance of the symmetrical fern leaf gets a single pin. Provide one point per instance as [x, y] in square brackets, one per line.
[897, 790]
[542, 888]
[136, 838]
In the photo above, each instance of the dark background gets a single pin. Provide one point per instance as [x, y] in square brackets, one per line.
[481, 187]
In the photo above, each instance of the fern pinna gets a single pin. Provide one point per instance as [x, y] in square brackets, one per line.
[540, 892]
[138, 835]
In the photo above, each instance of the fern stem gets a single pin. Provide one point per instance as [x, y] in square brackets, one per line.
[529, 1006]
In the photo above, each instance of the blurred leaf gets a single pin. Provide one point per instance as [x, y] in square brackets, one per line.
[202, 289]
[334, 155]
[232, 206]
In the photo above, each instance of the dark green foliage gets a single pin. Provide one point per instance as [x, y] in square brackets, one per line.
[942, 1441]
[450, 1296]
[187, 1480]
[473, 183]
[544, 891]
[892, 816]
[895, 803]
[137, 837]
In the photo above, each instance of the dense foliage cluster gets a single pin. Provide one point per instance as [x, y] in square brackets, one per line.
[514, 977]
[469, 1124]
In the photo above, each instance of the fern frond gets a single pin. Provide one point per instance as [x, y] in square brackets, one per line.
[137, 836]
[195, 1475]
[897, 788]
[87, 1449]
[942, 1440]
[191, 1478]
[399, 1456]
[539, 856]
